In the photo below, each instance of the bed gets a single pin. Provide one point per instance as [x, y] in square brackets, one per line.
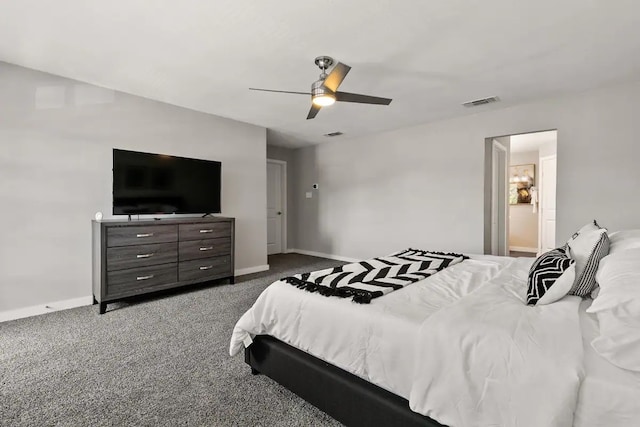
[404, 359]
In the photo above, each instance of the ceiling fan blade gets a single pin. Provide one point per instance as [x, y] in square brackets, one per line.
[336, 76]
[313, 111]
[280, 91]
[362, 99]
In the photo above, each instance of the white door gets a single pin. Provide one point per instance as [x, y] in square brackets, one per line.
[547, 200]
[499, 195]
[275, 181]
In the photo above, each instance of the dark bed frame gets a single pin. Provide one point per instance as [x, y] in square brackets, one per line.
[346, 397]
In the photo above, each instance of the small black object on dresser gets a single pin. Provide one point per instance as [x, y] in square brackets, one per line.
[138, 257]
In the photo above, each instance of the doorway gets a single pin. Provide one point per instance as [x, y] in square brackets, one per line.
[276, 206]
[529, 225]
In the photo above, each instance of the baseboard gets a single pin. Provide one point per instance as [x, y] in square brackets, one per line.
[249, 270]
[523, 249]
[36, 310]
[323, 255]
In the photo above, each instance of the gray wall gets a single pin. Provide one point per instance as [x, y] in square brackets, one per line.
[56, 141]
[423, 186]
[287, 155]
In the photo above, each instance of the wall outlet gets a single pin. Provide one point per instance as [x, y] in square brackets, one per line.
[309, 194]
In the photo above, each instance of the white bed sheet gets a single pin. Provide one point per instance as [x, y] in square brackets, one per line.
[609, 396]
[374, 341]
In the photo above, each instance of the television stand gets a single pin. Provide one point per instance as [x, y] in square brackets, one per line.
[138, 257]
[206, 215]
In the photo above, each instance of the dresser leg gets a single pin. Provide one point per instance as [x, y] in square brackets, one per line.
[254, 371]
[232, 280]
[103, 308]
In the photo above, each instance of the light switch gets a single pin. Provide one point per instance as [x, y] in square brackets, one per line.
[309, 194]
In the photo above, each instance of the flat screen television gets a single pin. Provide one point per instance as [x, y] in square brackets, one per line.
[146, 183]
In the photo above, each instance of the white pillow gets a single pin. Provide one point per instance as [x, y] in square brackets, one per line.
[620, 241]
[587, 246]
[623, 240]
[619, 279]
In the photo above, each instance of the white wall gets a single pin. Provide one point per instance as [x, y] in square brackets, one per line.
[55, 173]
[423, 186]
[523, 223]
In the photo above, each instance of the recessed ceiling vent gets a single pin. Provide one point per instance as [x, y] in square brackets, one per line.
[481, 101]
[332, 134]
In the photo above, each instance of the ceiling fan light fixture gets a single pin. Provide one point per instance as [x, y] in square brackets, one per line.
[320, 95]
[323, 100]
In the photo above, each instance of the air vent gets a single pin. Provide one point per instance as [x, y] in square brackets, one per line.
[332, 134]
[481, 101]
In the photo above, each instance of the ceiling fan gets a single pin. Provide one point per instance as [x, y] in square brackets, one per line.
[324, 92]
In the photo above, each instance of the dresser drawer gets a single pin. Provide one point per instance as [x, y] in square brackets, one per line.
[205, 230]
[122, 282]
[207, 248]
[206, 268]
[123, 257]
[141, 235]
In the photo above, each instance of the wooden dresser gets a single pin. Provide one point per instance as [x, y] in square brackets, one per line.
[137, 257]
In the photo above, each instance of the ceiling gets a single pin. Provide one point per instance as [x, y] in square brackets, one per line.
[532, 141]
[428, 55]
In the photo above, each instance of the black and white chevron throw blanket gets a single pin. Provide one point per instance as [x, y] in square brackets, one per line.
[375, 277]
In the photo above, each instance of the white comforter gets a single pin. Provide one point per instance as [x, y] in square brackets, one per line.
[490, 360]
[375, 341]
[461, 345]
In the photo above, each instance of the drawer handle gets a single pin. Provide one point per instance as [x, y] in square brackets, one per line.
[206, 248]
[206, 267]
[145, 277]
[210, 230]
[144, 235]
[145, 255]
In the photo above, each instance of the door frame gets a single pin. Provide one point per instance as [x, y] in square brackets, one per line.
[283, 190]
[488, 202]
[497, 226]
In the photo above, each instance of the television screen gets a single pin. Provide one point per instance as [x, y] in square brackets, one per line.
[145, 183]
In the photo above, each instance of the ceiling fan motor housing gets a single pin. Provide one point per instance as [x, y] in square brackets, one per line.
[324, 62]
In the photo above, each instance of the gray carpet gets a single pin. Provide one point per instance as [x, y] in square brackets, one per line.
[147, 362]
